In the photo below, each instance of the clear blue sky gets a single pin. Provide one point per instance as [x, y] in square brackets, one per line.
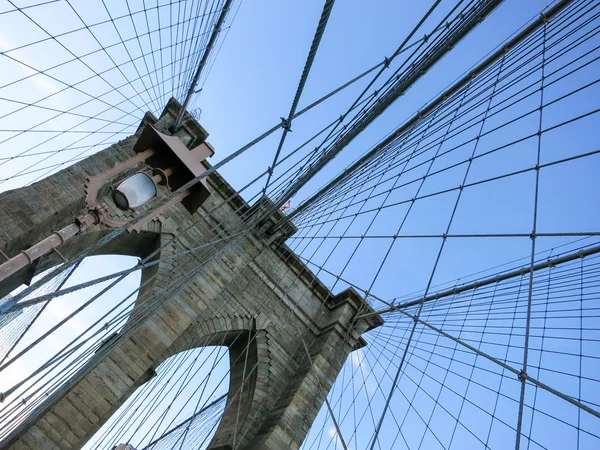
[248, 88]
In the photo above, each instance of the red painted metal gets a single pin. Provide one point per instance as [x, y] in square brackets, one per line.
[35, 252]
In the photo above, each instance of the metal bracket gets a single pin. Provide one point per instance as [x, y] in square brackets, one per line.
[104, 218]
[286, 124]
[157, 212]
[94, 183]
[61, 256]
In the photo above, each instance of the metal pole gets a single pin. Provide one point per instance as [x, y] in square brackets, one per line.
[45, 246]
[203, 61]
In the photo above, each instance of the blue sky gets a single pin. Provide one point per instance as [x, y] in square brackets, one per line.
[251, 84]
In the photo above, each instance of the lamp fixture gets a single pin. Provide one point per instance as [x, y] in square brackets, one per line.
[167, 162]
[135, 191]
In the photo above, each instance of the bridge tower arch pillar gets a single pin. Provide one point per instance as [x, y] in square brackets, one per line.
[254, 296]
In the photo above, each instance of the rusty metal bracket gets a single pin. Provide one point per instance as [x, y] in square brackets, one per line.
[158, 211]
[104, 217]
[60, 255]
[95, 183]
[29, 256]
[31, 271]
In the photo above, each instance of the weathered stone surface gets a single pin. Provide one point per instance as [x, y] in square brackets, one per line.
[253, 296]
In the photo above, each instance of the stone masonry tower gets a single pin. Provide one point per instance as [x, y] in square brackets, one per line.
[253, 295]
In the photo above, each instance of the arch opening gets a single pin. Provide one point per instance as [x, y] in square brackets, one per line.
[44, 345]
[180, 407]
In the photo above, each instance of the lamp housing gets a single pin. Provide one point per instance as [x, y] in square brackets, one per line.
[171, 153]
[134, 191]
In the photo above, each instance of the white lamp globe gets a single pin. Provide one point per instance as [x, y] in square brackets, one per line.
[134, 191]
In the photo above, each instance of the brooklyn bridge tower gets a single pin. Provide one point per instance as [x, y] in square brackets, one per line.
[330, 284]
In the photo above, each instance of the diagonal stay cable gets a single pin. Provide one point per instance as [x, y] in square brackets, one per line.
[508, 367]
[73, 86]
[118, 66]
[142, 264]
[470, 21]
[314, 47]
[441, 98]
[188, 185]
[209, 46]
[72, 54]
[26, 152]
